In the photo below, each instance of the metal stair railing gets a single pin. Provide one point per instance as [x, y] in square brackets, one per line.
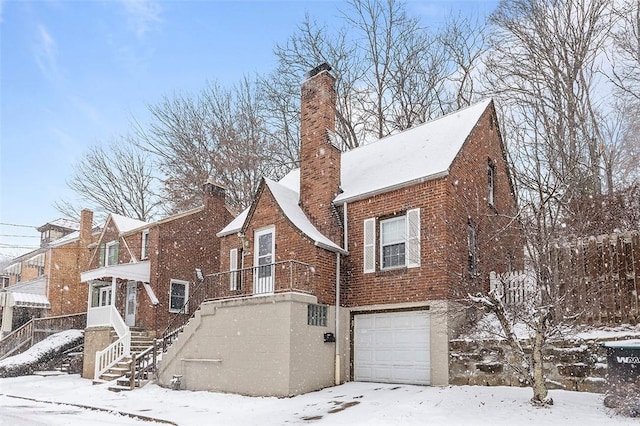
[36, 329]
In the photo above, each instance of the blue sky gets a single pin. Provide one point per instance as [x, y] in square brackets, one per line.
[74, 73]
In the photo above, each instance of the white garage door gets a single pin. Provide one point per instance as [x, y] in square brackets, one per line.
[392, 347]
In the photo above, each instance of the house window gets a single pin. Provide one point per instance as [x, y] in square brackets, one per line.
[399, 242]
[178, 296]
[16, 271]
[101, 296]
[111, 253]
[317, 315]
[392, 242]
[472, 248]
[145, 244]
[491, 181]
[234, 275]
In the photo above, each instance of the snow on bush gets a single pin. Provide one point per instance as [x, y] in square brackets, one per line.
[41, 352]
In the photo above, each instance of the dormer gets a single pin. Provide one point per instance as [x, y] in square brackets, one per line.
[58, 228]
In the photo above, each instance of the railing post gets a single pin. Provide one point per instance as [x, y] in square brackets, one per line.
[132, 378]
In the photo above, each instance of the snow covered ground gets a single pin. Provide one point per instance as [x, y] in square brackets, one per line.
[349, 404]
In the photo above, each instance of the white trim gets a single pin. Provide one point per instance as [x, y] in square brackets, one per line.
[233, 267]
[369, 246]
[186, 296]
[151, 294]
[106, 252]
[144, 244]
[265, 284]
[139, 271]
[401, 240]
[413, 253]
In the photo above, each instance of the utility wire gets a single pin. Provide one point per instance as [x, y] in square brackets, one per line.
[15, 224]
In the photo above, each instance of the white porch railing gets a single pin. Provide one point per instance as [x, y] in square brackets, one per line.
[108, 357]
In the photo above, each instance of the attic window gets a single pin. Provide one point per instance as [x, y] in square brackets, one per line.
[112, 253]
[472, 248]
[491, 182]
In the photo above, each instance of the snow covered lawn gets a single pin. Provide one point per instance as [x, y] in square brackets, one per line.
[349, 404]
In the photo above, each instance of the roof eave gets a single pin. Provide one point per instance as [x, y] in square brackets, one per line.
[334, 249]
[392, 188]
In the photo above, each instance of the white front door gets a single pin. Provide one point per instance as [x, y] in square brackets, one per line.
[130, 307]
[263, 261]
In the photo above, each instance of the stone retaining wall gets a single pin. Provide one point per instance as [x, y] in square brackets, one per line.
[577, 365]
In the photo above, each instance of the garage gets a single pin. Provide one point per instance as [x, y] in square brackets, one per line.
[392, 347]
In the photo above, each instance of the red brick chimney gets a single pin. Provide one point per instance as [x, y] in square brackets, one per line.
[214, 196]
[319, 158]
[86, 227]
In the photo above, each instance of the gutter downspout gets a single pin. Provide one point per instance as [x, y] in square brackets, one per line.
[337, 361]
[345, 246]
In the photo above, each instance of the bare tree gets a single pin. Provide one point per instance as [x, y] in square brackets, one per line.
[311, 45]
[465, 45]
[544, 62]
[625, 70]
[119, 179]
[220, 134]
[545, 67]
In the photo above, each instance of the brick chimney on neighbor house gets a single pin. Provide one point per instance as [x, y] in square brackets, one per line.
[214, 196]
[319, 158]
[86, 227]
[86, 238]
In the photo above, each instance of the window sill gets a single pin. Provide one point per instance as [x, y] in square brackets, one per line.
[391, 271]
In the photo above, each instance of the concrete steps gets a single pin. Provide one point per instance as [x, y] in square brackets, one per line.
[119, 375]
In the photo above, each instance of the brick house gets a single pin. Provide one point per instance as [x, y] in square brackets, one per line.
[140, 273]
[46, 282]
[349, 267]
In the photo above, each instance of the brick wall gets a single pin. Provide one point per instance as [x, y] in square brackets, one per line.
[290, 244]
[499, 242]
[177, 248]
[446, 204]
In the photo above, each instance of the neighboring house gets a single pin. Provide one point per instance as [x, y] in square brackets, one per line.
[349, 268]
[46, 281]
[140, 274]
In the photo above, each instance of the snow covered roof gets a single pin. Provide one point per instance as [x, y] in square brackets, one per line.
[126, 224]
[235, 225]
[62, 223]
[417, 154]
[287, 199]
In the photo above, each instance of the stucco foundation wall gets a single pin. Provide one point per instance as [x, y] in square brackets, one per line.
[95, 339]
[259, 346]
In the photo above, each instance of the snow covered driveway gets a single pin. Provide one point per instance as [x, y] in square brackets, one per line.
[349, 404]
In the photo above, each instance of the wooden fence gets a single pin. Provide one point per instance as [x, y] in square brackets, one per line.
[596, 279]
[599, 277]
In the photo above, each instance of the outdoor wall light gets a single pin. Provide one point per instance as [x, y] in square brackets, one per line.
[329, 337]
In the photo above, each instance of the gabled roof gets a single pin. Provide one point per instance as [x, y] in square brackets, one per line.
[421, 153]
[418, 154]
[287, 200]
[126, 224]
